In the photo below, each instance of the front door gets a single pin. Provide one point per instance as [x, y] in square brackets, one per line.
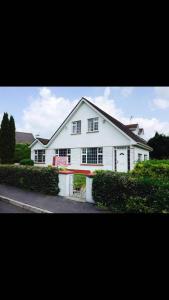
[121, 162]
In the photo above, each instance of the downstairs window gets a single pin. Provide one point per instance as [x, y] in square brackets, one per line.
[64, 152]
[92, 156]
[39, 156]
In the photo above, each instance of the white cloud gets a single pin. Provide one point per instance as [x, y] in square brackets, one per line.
[46, 112]
[162, 91]
[107, 92]
[126, 91]
[123, 91]
[161, 101]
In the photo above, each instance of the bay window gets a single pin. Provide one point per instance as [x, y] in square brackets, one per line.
[92, 156]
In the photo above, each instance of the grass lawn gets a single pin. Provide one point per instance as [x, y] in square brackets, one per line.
[79, 181]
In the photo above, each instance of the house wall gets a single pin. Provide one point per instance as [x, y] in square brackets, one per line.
[108, 135]
[138, 150]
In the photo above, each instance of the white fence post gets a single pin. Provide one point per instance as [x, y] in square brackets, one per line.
[89, 181]
[65, 184]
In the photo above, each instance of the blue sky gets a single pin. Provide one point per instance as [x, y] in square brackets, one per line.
[42, 109]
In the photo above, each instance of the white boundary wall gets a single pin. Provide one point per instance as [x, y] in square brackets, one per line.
[66, 186]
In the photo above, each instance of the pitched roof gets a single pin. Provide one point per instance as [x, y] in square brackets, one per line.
[114, 121]
[121, 126]
[24, 138]
[43, 141]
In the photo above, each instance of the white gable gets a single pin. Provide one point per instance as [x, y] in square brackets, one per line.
[108, 134]
[37, 145]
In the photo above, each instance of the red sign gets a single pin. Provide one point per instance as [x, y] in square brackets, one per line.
[60, 161]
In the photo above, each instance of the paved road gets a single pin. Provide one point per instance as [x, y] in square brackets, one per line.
[9, 208]
[55, 204]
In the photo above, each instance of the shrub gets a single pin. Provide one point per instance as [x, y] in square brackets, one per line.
[152, 168]
[27, 162]
[125, 192]
[138, 205]
[22, 151]
[110, 188]
[43, 180]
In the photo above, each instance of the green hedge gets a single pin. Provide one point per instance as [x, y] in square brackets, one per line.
[152, 168]
[43, 180]
[27, 162]
[122, 192]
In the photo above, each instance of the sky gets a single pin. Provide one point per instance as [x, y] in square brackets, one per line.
[41, 110]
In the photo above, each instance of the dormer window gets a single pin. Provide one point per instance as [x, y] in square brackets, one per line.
[93, 124]
[76, 127]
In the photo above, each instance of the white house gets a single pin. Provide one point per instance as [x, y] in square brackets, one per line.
[92, 139]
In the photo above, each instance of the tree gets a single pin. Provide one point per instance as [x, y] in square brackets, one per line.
[12, 141]
[5, 140]
[22, 151]
[160, 145]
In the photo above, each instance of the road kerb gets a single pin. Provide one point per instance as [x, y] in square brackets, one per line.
[24, 205]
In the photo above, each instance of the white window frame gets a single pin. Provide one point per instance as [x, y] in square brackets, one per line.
[76, 128]
[145, 157]
[43, 155]
[92, 122]
[84, 154]
[68, 154]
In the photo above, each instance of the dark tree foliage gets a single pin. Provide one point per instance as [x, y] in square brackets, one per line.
[5, 140]
[12, 141]
[160, 145]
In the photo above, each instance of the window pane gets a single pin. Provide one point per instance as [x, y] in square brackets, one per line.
[100, 159]
[79, 127]
[83, 159]
[95, 126]
[90, 125]
[62, 152]
[84, 150]
[56, 151]
[74, 127]
[100, 150]
[92, 155]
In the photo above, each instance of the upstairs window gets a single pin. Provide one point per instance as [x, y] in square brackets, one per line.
[76, 127]
[93, 124]
[39, 156]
